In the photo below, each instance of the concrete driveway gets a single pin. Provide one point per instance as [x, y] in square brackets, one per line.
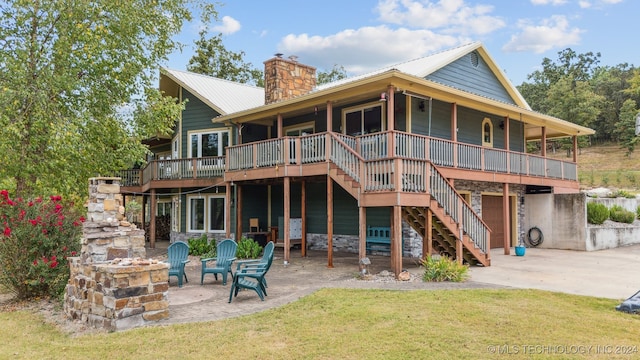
[609, 273]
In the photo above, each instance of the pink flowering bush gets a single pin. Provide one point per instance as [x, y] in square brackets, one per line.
[37, 237]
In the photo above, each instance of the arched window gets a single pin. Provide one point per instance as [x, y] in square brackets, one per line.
[487, 132]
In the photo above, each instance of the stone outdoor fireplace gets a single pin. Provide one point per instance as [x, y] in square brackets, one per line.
[112, 286]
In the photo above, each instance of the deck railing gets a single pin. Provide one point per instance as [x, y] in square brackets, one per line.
[373, 149]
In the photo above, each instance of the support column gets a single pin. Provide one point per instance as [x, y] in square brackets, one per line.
[227, 210]
[427, 238]
[329, 116]
[329, 222]
[287, 215]
[396, 240]
[391, 146]
[454, 135]
[279, 126]
[507, 147]
[238, 212]
[575, 149]
[152, 220]
[362, 238]
[303, 214]
[543, 142]
[506, 215]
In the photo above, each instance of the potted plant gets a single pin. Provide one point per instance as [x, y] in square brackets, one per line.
[520, 248]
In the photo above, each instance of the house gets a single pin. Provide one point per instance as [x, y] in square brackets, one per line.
[426, 156]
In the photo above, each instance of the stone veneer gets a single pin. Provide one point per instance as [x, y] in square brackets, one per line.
[286, 78]
[111, 285]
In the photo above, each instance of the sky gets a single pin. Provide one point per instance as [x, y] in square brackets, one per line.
[364, 35]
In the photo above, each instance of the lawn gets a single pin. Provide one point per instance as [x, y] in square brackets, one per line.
[362, 324]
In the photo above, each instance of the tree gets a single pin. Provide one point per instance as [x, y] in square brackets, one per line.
[574, 101]
[611, 82]
[66, 70]
[626, 128]
[579, 67]
[337, 73]
[213, 59]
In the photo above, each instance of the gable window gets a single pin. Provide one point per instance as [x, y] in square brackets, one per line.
[365, 119]
[487, 132]
[206, 213]
[211, 143]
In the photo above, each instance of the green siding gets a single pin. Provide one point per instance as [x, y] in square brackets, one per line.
[196, 116]
[461, 74]
[440, 126]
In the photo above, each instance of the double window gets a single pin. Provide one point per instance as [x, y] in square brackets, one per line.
[210, 143]
[206, 213]
[364, 119]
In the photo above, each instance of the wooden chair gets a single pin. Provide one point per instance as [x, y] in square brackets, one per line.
[225, 256]
[178, 254]
[254, 223]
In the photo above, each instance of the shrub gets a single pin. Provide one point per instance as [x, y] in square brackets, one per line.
[248, 249]
[444, 269]
[597, 213]
[201, 246]
[622, 194]
[38, 237]
[619, 214]
[638, 212]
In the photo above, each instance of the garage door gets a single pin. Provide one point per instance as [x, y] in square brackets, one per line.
[492, 215]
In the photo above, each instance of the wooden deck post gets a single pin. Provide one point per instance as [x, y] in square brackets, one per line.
[152, 220]
[427, 238]
[329, 116]
[506, 215]
[238, 212]
[329, 222]
[396, 240]
[287, 215]
[362, 235]
[303, 214]
[227, 210]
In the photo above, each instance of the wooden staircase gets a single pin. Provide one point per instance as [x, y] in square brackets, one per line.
[448, 211]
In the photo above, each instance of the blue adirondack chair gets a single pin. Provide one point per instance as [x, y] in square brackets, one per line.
[225, 256]
[178, 257]
[265, 261]
[251, 275]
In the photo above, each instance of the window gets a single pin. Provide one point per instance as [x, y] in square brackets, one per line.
[212, 143]
[300, 129]
[216, 213]
[163, 208]
[206, 213]
[195, 214]
[361, 120]
[487, 132]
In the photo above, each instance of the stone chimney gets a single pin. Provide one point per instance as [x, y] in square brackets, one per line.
[287, 78]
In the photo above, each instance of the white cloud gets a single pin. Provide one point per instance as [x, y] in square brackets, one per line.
[549, 2]
[365, 49]
[229, 26]
[447, 16]
[584, 4]
[551, 33]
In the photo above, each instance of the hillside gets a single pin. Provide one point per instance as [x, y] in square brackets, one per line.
[607, 166]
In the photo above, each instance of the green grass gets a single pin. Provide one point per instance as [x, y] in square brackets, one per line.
[607, 166]
[355, 324]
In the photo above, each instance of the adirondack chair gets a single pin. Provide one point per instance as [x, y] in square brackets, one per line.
[265, 261]
[251, 276]
[178, 254]
[225, 256]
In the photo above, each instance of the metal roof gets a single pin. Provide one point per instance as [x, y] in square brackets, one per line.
[222, 95]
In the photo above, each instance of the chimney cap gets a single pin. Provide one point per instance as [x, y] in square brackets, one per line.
[293, 58]
[278, 55]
